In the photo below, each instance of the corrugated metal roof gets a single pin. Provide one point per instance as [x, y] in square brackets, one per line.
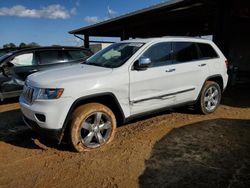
[151, 8]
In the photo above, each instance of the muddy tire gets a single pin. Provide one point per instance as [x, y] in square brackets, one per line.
[93, 125]
[209, 99]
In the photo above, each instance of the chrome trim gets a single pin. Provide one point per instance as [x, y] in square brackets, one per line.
[163, 97]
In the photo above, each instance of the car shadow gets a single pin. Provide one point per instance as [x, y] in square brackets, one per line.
[213, 153]
[14, 131]
[237, 96]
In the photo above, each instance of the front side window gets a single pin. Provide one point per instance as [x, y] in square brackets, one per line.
[114, 55]
[23, 60]
[159, 54]
[184, 52]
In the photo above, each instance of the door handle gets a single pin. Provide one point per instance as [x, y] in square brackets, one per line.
[202, 65]
[170, 70]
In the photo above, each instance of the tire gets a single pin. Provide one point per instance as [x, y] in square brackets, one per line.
[93, 125]
[209, 99]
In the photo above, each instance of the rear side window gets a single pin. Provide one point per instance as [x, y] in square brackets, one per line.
[72, 55]
[50, 57]
[184, 52]
[207, 51]
[160, 54]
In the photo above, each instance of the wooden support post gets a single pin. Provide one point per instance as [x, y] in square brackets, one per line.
[222, 25]
[86, 41]
[124, 35]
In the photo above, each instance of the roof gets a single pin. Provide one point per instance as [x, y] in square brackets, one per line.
[174, 17]
[49, 48]
[168, 38]
[168, 3]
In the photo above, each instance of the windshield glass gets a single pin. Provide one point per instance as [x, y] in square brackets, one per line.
[2, 53]
[115, 55]
[5, 56]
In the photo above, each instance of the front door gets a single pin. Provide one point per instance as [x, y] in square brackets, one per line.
[17, 69]
[152, 88]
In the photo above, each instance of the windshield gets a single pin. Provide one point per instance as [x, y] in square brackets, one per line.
[2, 53]
[115, 55]
[5, 56]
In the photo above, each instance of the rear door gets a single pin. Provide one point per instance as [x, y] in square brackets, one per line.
[191, 71]
[22, 65]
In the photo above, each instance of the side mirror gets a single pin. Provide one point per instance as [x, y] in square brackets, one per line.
[142, 64]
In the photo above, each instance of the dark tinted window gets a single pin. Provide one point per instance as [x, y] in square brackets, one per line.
[50, 57]
[184, 52]
[207, 51]
[160, 54]
[72, 55]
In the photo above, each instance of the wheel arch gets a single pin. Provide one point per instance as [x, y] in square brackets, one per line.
[216, 78]
[108, 99]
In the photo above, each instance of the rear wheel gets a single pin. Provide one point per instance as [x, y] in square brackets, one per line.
[210, 98]
[93, 125]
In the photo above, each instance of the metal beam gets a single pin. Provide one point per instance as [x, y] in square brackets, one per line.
[86, 41]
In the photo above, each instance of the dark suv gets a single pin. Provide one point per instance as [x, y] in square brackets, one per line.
[17, 65]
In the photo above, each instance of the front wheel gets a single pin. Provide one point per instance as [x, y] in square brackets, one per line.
[93, 125]
[210, 98]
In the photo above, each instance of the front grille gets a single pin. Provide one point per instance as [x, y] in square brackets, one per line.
[28, 93]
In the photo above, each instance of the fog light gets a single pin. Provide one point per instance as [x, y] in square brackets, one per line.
[41, 117]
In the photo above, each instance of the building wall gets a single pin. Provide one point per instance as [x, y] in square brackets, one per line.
[239, 45]
[97, 47]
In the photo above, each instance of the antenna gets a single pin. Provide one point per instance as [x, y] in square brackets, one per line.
[109, 12]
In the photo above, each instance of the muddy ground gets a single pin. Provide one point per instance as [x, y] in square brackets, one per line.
[176, 148]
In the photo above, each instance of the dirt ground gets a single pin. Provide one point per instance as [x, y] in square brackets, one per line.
[176, 148]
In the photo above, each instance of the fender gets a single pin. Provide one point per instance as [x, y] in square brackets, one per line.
[84, 99]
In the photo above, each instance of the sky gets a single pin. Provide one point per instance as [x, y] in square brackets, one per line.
[47, 22]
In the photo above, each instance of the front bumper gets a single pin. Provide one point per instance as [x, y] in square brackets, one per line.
[51, 133]
[54, 111]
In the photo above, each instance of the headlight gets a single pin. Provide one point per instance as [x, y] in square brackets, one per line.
[48, 93]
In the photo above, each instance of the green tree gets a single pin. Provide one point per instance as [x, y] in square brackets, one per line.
[22, 45]
[9, 45]
[33, 44]
[12, 45]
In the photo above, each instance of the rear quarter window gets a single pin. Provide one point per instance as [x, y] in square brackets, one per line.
[207, 51]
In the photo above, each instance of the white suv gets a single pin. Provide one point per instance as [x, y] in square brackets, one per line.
[122, 81]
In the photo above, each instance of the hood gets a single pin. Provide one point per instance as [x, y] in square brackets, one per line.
[59, 76]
